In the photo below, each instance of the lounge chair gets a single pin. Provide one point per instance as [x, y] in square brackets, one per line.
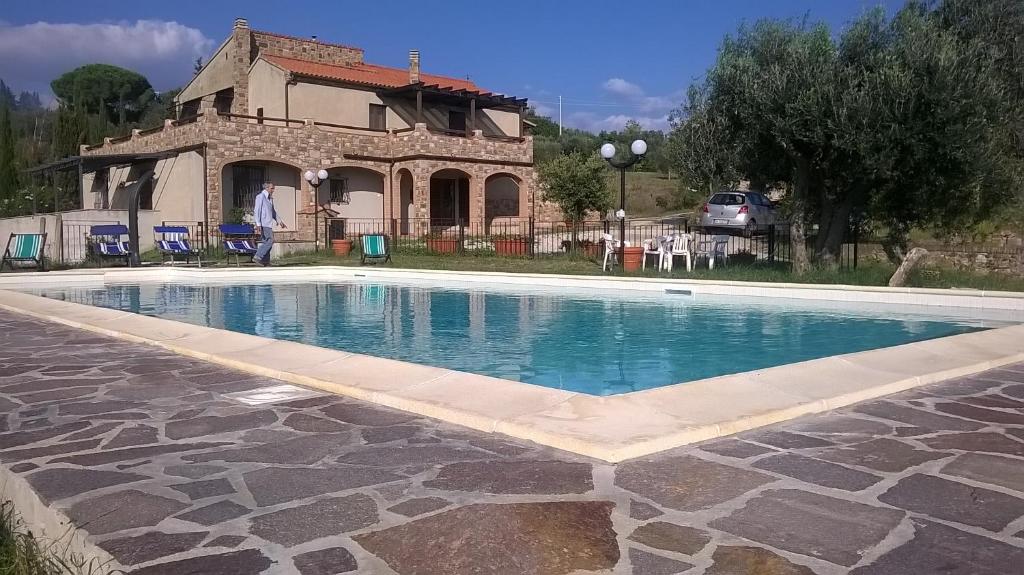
[657, 247]
[680, 247]
[172, 243]
[24, 249]
[375, 247]
[238, 240]
[714, 249]
[611, 250]
[105, 242]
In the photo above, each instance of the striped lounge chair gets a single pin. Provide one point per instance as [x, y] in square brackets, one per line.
[172, 242]
[375, 247]
[105, 242]
[24, 249]
[238, 241]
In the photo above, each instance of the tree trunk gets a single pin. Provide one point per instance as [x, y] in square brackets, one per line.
[830, 239]
[915, 257]
[798, 235]
[895, 242]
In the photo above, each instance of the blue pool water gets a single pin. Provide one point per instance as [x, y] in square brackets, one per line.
[586, 341]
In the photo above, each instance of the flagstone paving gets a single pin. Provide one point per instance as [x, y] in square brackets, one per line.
[147, 453]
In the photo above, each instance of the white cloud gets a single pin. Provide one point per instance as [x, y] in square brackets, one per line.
[622, 88]
[595, 123]
[32, 55]
[545, 110]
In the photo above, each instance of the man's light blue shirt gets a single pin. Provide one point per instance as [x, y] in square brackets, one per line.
[264, 215]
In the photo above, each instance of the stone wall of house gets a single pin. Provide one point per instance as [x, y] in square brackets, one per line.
[421, 152]
[303, 49]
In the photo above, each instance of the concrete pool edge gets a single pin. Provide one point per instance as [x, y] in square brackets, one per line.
[53, 529]
[610, 428]
[967, 298]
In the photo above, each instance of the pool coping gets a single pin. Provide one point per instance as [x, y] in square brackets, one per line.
[610, 428]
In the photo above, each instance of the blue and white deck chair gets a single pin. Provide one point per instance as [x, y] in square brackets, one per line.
[24, 249]
[172, 242]
[375, 247]
[105, 242]
[238, 240]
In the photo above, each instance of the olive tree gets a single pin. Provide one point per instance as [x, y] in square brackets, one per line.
[577, 182]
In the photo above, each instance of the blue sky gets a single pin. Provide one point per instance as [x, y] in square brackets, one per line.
[609, 61]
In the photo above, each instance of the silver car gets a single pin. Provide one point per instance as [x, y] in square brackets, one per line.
[748, 212]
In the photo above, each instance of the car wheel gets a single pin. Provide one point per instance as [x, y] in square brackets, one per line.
[751, 227]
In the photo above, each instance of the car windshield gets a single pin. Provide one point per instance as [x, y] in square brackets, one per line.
[727, 199]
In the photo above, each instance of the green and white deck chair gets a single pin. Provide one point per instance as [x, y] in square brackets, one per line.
[375, 247]
[24, 249]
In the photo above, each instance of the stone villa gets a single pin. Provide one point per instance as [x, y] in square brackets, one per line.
[405, 149]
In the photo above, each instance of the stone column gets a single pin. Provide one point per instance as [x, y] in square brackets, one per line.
[525, 204]
[421, 191]
[477, 188]
[390, 189]
[214, 196]
[241, 50]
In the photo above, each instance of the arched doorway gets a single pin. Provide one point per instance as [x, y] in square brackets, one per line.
[406, 207]
[449, 197]
[242, 180]
[501, 199]
[354, 193]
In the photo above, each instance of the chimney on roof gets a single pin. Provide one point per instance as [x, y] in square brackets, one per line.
[241, 23]
[414, 66]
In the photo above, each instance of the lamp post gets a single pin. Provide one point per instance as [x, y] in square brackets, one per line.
[638, 148]
[315, 179]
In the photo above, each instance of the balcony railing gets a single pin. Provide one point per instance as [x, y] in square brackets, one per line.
[291, 122]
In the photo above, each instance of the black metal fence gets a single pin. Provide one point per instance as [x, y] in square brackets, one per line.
[198, 234]
[75, 237]
[526, 237]
[75, 242]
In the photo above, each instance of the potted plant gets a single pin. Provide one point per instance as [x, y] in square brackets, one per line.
[341, 247]
[632, 258]
[511, 244]
[439, 243]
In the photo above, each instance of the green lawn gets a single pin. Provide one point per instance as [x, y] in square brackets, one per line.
[865, 274]
[650, 194]
[21, 553]
[869, 274]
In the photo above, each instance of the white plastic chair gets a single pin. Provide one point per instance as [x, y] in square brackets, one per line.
[656, 247]
[611, 250]
[713, 249]
[681, 246]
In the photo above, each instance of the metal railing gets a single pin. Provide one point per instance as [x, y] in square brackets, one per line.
[526, 237]
[75, 237]
[75, 243]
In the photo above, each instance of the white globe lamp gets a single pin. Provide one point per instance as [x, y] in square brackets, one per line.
[608, 151]
[638, 147]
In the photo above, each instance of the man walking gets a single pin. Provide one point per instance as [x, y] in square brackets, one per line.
[265, 216]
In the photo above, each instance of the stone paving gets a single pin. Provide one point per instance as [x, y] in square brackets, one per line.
[151, 455]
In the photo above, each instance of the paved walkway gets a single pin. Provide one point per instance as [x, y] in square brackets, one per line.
[157, 458]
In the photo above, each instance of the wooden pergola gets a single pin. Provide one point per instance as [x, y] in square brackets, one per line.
[476, 100]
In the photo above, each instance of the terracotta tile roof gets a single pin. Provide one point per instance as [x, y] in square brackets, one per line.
[367, 74]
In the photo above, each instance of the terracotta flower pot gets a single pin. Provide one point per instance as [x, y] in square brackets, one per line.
[632, 258]
[341, 247]
[511, 247]
[442, 245]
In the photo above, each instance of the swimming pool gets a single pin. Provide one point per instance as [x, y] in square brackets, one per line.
[590, 341]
